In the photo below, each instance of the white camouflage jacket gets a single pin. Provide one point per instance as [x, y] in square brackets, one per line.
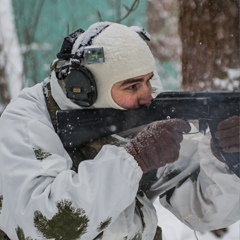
[42, 198]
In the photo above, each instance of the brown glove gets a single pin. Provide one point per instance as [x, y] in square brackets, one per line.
[228, 136]
[158, 144]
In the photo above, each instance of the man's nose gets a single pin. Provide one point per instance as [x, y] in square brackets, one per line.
[145, 97]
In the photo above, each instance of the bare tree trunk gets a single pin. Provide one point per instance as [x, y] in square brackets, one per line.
[163, 26]
[4, 87]
[209, 31]
[165, 43]
[11, 75]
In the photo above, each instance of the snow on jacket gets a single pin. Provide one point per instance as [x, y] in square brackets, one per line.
[42, 198]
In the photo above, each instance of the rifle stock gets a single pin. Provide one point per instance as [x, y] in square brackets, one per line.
[78, 127]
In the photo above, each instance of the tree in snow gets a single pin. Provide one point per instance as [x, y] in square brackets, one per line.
[11, 64]
[209, 32]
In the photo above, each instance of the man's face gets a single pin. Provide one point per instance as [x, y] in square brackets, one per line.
[134, 92]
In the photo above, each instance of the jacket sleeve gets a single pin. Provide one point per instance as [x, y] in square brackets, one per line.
[39, 190]
[199, 189]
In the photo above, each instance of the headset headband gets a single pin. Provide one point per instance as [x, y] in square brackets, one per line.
[68, 42]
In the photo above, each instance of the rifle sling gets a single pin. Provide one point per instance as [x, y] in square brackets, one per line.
[75, 153]
[51, 104]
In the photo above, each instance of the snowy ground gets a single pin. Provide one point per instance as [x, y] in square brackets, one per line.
[173, 229]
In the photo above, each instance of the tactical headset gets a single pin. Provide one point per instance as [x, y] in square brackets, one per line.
[80, 83]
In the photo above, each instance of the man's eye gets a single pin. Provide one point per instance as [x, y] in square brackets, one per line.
[133, 87]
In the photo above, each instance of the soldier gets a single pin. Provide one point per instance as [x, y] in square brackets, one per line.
[109, 193]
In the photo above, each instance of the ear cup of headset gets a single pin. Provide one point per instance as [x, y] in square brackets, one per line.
[81, 87]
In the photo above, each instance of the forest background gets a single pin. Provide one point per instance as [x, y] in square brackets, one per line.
[195, 42]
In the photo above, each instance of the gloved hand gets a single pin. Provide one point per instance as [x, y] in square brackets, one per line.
[158, 144]
[228, 136]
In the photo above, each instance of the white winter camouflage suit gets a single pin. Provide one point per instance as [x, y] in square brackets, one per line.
[42, 198]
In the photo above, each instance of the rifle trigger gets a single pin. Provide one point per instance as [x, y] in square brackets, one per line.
[203, 126]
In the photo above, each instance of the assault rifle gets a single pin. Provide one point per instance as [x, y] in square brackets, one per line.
[78, 127]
